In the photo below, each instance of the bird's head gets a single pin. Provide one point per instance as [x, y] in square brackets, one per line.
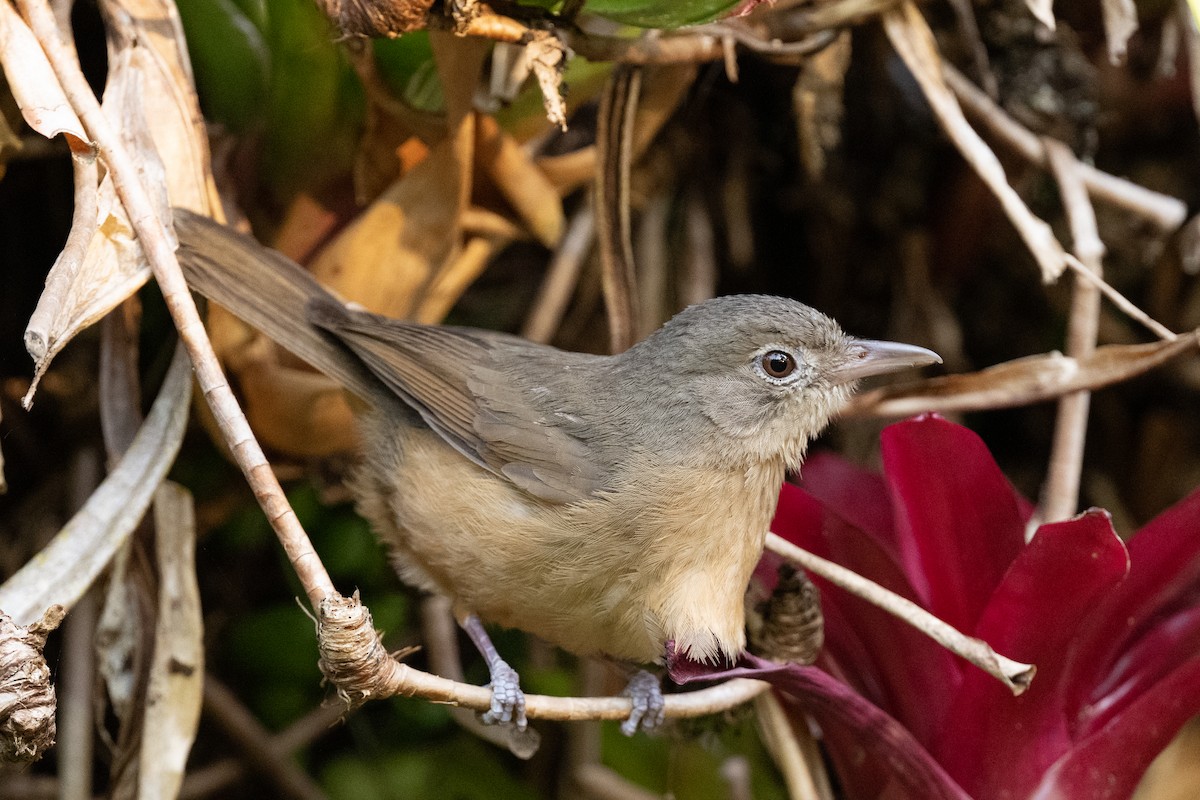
[766, 372]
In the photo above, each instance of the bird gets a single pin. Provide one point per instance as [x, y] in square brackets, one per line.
[607, 504]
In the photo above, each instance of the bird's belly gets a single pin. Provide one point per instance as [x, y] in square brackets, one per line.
[598, 577]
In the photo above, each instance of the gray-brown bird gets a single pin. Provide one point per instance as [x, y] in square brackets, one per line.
[608, 504]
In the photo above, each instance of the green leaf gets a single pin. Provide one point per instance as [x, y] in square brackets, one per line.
[407, 67]
[666, 14]
[230, 60]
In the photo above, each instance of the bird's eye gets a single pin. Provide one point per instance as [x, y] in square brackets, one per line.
[778, 364]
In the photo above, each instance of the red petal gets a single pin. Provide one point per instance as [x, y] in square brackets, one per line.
[892, 664]
[995, 743]
[856, 495]
[1164, 575]
[1109, 763]
[889, 747]
[957, 509]
[1154, 656]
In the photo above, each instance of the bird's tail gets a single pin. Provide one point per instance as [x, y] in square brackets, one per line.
[268, 291]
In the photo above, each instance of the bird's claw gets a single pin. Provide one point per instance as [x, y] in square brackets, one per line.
[649, 708]
[508, 701]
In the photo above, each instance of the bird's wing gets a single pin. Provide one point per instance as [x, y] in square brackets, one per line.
[454, 380]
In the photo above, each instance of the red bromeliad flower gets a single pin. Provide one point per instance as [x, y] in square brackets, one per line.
[1114, 631]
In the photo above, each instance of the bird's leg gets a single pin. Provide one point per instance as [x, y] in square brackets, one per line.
[648, 713]
[508, 701]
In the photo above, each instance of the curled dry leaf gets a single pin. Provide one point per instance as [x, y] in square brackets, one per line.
[63, 571]
[390, 252]
[1026, 380]
[27, 701]
[35, 87]
[149, 79]
[177, 672]
[914, 43]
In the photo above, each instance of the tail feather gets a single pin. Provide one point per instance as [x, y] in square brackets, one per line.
[268, 291]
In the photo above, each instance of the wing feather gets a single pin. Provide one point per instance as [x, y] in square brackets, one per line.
[481, 393]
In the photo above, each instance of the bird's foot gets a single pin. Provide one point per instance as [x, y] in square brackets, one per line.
[649, 708]
[508, 701]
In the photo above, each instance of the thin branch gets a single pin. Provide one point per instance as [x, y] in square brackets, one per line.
[159, 251]
[1165, 212]
[219, 776]
[1013, 674]
[914, 42]
[1120, 301]
[783, 742]
[1060, 495]
[254, 740]
[554, 295]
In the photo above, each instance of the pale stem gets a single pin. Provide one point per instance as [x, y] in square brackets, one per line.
[1013, 674]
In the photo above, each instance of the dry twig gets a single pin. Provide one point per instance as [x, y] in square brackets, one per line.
[1013, 674]
[1060, 495]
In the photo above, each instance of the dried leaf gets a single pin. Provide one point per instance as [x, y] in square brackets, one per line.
[63, 571]
[34, 85]
[173, 697]
[523, 185]
[388, 257]
[914, 42]
[103, 264]
[150, 33]
[1014, 383]
[1120, 23]
[297, 411]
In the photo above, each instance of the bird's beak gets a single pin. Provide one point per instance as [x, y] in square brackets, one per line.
[869, 357]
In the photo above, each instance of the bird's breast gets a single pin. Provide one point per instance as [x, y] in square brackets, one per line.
[665, 554]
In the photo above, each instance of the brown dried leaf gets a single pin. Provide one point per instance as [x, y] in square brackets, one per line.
[523, 185]
[149, 80]
[297, 411]
[1021, 382]
[388, 257]
[34, 85]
